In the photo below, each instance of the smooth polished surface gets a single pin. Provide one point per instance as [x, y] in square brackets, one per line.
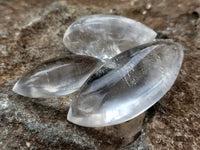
[105, 36]
[58, 76]
[127, 85]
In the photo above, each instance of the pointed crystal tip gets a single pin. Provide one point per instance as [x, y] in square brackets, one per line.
[16, 89]
[90, 121]
[26, 91]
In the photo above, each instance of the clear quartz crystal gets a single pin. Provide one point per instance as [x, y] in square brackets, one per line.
[127, 85]
[104, 36]
[58, 76]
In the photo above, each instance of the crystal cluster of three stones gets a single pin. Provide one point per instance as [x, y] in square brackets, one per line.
[117, 69]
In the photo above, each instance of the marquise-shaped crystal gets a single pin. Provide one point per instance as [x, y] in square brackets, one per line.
[127, 85]
[105, 36]
[58, 76]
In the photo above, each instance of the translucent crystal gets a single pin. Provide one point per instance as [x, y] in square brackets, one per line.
[105, 36]
[127, 85]
[59, 76]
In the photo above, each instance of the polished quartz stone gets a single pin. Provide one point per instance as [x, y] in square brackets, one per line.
[105, 36]
[127, 85]
[58, 76]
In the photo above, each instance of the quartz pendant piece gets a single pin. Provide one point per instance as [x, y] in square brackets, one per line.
[105, 36]
[59, 76]
[127, 85]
